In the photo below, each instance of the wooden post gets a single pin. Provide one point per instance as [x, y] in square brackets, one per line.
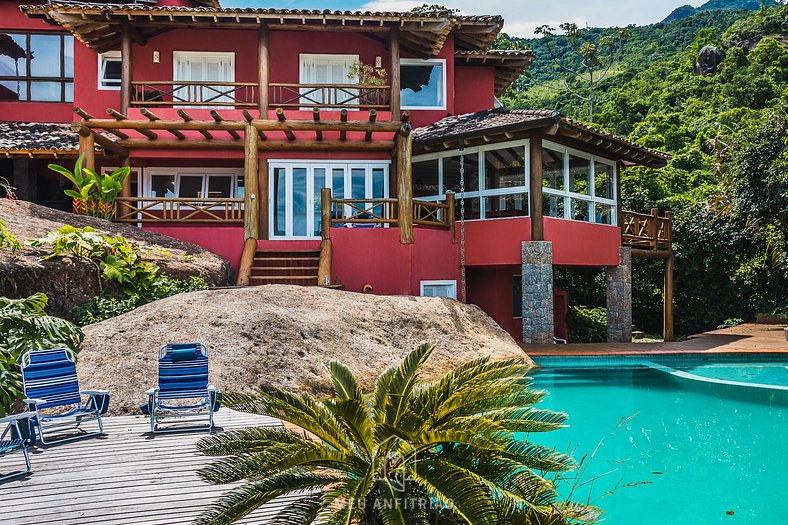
[247, 261]
[653, 228]
[125, 69]
[87, 148]
[394, 63]
[262, 70]
[450, 202]
[535, 193]
[326, 249]
[262, 199]
[325, 213]
[667, 307]
[405, 188]
[125, 190]
[251, 211]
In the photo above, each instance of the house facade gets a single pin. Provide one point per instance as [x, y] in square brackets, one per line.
[357, 150]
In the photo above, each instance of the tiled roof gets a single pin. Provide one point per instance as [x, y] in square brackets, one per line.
[501, 120]
[37, 137]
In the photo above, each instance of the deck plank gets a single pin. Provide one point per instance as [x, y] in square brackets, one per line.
[126, 476]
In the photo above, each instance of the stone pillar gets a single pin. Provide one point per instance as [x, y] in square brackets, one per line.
[537, 261]
[25, 179]
[619, 299]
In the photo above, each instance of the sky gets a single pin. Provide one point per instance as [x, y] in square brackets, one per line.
[521, 16]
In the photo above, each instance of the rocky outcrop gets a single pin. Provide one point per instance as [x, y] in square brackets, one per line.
[708, 59]
[284, 335]
[68, 281]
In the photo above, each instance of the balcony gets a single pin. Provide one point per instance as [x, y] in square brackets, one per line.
[647, 232]
[158, 210]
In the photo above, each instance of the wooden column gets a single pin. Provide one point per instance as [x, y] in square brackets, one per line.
[87, 148]
[251, 210]
[450, 202]
[125, 191]
[263, 70]
[125, 69]
[262, 199]
[394, 74]
[326, 249]
[535, 193]
[667, 307]
[405, 188]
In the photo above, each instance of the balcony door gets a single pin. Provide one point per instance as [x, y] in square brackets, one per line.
[330, 70]
[203, 67]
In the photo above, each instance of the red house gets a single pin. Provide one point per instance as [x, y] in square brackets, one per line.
[361, 150]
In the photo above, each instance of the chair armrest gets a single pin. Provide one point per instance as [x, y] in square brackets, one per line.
[151, 391]
[212, 388]
[34, 401]
[94, 392]
[16, 417]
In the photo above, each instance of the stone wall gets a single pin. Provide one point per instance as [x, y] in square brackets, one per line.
[619, 299]
[537, 264]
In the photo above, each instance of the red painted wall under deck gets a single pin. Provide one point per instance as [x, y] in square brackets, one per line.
[490, 288]
[227, 241]
[474, 89]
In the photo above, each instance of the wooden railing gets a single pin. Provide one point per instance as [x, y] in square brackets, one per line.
[161, 209]
[340, 96]
[435, 214]
[374, 212]
[190, 93]
[646, 231]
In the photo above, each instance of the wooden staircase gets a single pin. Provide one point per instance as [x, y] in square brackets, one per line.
[285, 267]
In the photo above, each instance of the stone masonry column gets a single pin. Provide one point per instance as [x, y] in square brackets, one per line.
[537, 263]
[619, 299]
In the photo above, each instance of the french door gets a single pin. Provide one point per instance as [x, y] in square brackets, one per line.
[330, 70]
[204, 67]
[294, 193]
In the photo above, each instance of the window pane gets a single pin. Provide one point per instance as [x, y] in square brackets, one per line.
[603, 180]
[219, 187]
[579, 175]
[451, 173]
[553, 206]
[504, 168]
[69, 94]
[190, 186]
[12, 55]
[358, 183]
[472, 209]
[515, 205]
[422, 85]
[318, 183]
[604, 214]
[552, 169]
[299, 201]
[110, 71]
[45, 91]
[425, 178]
[68, 56]
[13, 90]
[378, 182]
[45, 56]
[162, 186]
[239, 188]
[579, 210]
[279, 201]
[338, 183]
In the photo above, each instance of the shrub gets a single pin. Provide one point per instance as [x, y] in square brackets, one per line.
[93, 194]
[587, 325]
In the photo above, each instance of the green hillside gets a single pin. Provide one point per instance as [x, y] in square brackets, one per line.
[714, 5]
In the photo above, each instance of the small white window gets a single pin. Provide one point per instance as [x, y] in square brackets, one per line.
[109, 70]
[423, 83]
[439, 289]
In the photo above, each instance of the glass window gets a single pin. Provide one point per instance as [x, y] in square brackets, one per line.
[37, 67]
[338, 185]
[579, 175]
[239, 188]
[604, 214]
[439, 289]
[580, 210]
[472, 209]
[603, 181]
[109, 70]
[553, 206]
[358, 183]
[425, 178]
[190, 186]
[504, 168]
[451, 173]
[299, 201]
[219, 186]
[318, 183]
[280, 199]
[423, 84]
[552, 169]
[162, 186]
[513, 205]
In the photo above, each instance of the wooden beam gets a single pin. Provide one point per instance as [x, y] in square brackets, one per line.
[110, 145]
[404, 188]
[262, 199]
[535, 193]
[263, 70]
[667, 307]
[316, 118]
[640, 253]
[285, 125]
[343, 131]
[125, 69]
[87, 116]
[218, 118]
[294, 145]
[450, 202]
[187, 118]
[251, 210]
[150, 115]
[121, 122]
[373, 115]
[280, 115]
[87, 148]
[394, 73]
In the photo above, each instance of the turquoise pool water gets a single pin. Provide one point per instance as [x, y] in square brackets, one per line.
[755, 372]
[669, 451]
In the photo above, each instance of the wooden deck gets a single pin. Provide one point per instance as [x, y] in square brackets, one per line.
[127, 476]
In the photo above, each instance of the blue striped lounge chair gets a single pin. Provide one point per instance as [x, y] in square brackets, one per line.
[12, 440]
[50, 382]
[183, 376]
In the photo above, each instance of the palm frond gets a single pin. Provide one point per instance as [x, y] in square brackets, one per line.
[345, 384]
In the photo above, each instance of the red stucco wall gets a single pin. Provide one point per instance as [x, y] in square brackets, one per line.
[474, 89]
[227, 241]
[490, 288]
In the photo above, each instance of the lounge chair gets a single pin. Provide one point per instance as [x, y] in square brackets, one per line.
[50, 381]
[12, 440]
[183, 375]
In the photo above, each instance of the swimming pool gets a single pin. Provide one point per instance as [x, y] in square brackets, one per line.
[673, 451]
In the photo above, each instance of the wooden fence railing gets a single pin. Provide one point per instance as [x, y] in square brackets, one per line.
[341, 96]
[647, 231]
[435, 214]
[363, 211]
[161, 209]
[190, 93]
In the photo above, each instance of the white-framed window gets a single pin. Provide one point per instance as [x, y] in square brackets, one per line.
[423, 83]
[294, 192]
[496, 179]
[194, 183]
[109, 66]
[203, 66]
[578, 186]
[445, 288]
[330, 70]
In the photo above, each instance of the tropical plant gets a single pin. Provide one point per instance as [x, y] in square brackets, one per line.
[7, 239]
[458, 445]
[93, 194]
[24, 326]
[7, 189]
[367, 75]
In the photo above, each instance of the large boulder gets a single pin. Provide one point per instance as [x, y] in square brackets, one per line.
[69, 281]
[709, 58]
[283, 335]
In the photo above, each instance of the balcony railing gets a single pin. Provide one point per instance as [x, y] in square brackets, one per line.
[194, 93]
[369, 212]
[181, 210]
[334, 96]
[646, 231]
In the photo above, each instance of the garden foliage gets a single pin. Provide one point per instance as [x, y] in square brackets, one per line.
[93, 194]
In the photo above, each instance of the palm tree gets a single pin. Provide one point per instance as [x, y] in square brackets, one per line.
[408, 452]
